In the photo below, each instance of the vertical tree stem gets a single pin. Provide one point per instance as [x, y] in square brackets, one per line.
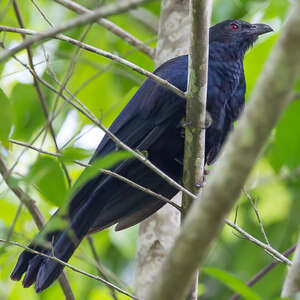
[157, 233]
[194, 150]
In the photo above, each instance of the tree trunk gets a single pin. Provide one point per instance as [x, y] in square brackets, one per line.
[157, 233]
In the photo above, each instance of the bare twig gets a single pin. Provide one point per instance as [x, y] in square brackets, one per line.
[70, 69]
[84, 110]
[108, 172]
[99, 266]
[266, 247]
[37, 217]
[264, 271]
[12, 226]
[39, 91]
[23, 197]
[108, 10]
[42, 13]
[101, 52]
[291, 286]
[124, 35]
[257, 216]
[70, 267]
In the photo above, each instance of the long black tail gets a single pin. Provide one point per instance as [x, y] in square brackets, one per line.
[44, 271]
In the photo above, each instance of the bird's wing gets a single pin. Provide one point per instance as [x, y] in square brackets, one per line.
[236, 105]
[224, 103]
[139, 125]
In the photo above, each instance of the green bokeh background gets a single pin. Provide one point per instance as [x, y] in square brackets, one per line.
[274, 182]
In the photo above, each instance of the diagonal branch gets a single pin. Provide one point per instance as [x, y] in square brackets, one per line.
[206, 217]
[108, 10]
[105, 171]
[269, 250]
[124, 35]
[291, 286]
[40, 92]
[86, 112]
[264, 271]
[101, 52]
[70, 267]
[37, 217]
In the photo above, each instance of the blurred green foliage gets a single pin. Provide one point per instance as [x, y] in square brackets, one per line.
[105, 88]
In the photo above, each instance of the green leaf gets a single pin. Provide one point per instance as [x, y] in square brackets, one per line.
[72, 153]
[276, 8]
[285, 148]
[57, 223]
[6, 117]
[105, 162]
[232, 282]
[27, 111]
[47, 175]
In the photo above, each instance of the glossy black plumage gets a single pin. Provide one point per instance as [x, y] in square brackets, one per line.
[151, 122]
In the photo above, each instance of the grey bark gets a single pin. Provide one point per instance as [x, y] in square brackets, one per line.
[291, 286]
[206, 217]
[193, 169]
[157, 233]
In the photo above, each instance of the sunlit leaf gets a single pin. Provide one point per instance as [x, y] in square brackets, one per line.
[71, 153]
[105, 162]
[47, 175]
[27, 110]
[233, 283]
[285, 148]
[6, 117]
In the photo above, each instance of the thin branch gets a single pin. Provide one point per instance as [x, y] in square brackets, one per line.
[70, 70]
[124, 35]
[108, 273]
[42, 13]
[291, 286]
[84, 110]
[37, 217]
[101, 52]
[266, 247]
[261, 226]
[39, 91]
[70, 267]
[265, 271]
[22, 196]
[205, 219]
[12, 226]
[108, 10]
[99, 266]
[108, 172]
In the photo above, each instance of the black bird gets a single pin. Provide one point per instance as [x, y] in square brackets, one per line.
[150, 122]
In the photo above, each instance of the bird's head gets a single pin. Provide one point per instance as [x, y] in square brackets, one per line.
[237, 33]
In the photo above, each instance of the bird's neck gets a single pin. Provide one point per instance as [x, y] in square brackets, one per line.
[230, 51]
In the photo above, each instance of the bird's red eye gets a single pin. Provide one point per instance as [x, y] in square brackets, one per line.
[233, 26]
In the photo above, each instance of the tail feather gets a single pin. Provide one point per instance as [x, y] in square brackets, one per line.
[21, 265]
[44, 271]
[32, 271]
